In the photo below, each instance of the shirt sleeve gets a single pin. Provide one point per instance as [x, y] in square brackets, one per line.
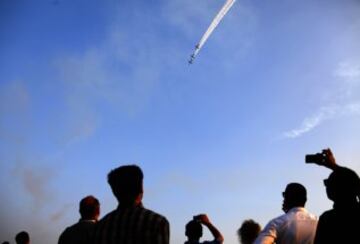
[268, 234]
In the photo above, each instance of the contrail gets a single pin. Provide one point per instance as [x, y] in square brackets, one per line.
[228, 4]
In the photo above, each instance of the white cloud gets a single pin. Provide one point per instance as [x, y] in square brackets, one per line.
[120, 74]
[313, 121]
[348, 71]
[344, 100]
[324, 113]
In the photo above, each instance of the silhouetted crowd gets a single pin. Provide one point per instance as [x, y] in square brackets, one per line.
[132, 223]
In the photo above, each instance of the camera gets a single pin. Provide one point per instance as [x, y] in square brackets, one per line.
[317, 158]
[197, 218]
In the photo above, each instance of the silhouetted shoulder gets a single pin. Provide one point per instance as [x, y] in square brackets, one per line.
[155, 215]
[107, 217]
[133, 224]
[78, 233]
[338, 226]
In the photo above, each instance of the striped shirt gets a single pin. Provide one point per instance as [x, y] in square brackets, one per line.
[133, 225]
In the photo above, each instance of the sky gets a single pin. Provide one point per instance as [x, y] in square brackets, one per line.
[87, 86]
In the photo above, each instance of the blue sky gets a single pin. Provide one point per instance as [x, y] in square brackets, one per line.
[87, 86]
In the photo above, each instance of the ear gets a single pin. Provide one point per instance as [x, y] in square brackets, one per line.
[139, 198]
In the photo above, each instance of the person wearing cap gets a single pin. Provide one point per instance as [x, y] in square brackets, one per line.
[82, 231]
[296, 226]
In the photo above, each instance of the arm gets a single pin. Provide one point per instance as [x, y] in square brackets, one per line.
[214, 231]
[329, 159]
[163, 234]
[268, 235]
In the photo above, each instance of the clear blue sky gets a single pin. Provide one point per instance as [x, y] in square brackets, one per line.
[86, 86]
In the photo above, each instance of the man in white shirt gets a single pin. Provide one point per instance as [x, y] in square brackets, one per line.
[296, 226]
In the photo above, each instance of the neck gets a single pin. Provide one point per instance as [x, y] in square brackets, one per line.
[125, 204]
[346, 204]
[193, 239]
[88, 219]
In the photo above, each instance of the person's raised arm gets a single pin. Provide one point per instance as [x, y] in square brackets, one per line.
[214, 231]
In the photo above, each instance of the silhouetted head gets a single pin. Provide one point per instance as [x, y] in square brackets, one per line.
[22, 238]
[193, 230]
[127, 183]
[294, 196]
[89, 208]
[6, 242]
[343, 185]
[248, 231]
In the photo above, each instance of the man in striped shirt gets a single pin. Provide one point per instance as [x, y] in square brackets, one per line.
[130, 223]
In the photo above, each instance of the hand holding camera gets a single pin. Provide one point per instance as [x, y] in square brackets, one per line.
[202, 218]
[325, 158]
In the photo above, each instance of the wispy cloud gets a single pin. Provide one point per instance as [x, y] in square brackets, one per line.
[344, 103]
[36, 182]
[98, 78]
[349, 71]
[324, 113]
[60, 213]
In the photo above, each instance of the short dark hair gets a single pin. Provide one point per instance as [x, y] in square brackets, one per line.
[343, 182]
[126, 182]
[89, 207]
[248, 231]
[193, 229]
[22, 237]
[295, 194]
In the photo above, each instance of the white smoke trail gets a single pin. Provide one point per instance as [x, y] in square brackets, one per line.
[228, 4]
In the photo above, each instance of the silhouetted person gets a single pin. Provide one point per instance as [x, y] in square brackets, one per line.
[6, 242]
[248, 231]
[296, 226]
[22, 238]
[342, 223]
[130, 223]
[82, 231]
[193, 231]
